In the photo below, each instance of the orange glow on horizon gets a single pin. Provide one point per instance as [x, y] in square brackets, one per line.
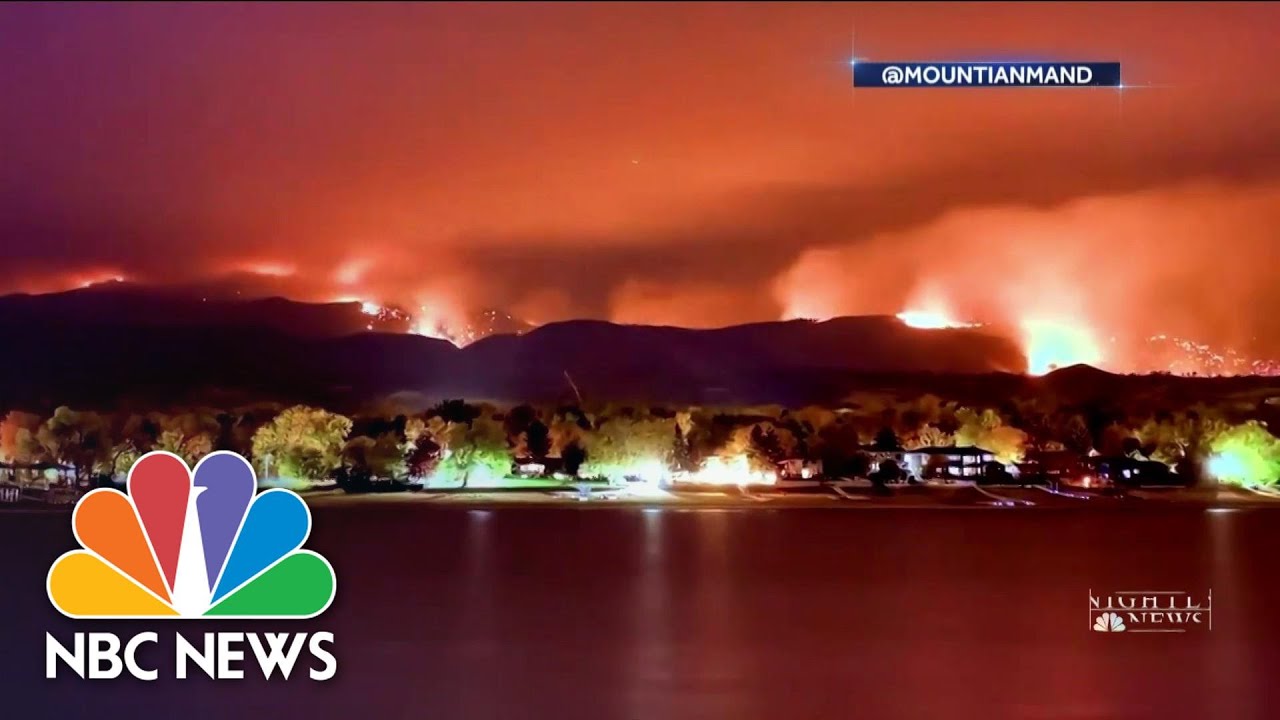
[268, 268]
[352, 271]
[85, 281]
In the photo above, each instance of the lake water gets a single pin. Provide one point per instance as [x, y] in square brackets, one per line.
[449, 612]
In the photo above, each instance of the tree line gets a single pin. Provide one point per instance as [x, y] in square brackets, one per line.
[456, 442]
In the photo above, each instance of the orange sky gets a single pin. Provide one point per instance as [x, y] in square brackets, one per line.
[678, 164]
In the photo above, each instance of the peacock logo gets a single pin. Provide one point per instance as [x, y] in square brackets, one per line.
[184, 544]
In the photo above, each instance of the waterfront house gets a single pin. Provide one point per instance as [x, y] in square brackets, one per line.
[799, 469]
[43, 474]
[530, 467]
[966, 462]
[1124, 470]
[1051, 466]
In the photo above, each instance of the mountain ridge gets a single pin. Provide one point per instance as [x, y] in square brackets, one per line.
[107, 346]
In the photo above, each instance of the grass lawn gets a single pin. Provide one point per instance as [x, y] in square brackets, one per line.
[509, 483]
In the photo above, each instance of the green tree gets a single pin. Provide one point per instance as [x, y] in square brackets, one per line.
[771, 442]
[1074, 434]
[812, 419]
[624, 446]
[573, 456]
[988, 431]
[302, 444]
[886, 440]
[537, 437]
[456, 411]
[838, 445]
[190, 435]
[931, 436]
[414, 428]
[1037, 424]
[18, 442]
[1113, 440]
[381, 458]
[76, 439]
[1007, 443]
[518, 419]
[1246, 454]
[131, 435]
[681, 457]
[236, 428]
[475, 451]
[708, 433]
[422, 457]
[928, 409]
[565, 431]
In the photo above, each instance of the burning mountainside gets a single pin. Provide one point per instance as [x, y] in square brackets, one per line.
[1052, 344]
[1170, 279]
[1180, 356]
[1049, 345]
[932, 320]
[463, 332]
[385, 317]
[1048, 341]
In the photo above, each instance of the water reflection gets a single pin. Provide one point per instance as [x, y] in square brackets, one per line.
[648, 658]
[1229, 663]
[621, 613]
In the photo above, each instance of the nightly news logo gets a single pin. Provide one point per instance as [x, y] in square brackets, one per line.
[184, 545]
[986, 74]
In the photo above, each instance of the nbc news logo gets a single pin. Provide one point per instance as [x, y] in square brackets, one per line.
[1108, 622]
[191, 545]
[1150, 611]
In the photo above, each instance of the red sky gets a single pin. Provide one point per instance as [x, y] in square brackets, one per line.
[680, 164]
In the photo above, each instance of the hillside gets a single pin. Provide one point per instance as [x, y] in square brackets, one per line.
[126, 344]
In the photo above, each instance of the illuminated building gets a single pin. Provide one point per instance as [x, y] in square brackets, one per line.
[799, 469]
[1124, 470]
[947, 462]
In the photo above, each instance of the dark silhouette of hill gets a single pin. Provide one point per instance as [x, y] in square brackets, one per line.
[126, 344]
[1086, 385]
[214, 304]
[759, 362]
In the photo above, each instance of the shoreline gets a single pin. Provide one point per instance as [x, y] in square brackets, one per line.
[920, 497]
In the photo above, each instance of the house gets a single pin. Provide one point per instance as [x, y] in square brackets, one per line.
[1051, 466]
[10, 490]
[41, 473]
[42, 481]
[530, 467]
[799, 469]
[1133, 471]
[877, 454]
[947, 462]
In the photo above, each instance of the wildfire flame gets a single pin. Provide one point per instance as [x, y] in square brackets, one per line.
[88, 280]
[427, 328]
[1052, 344]
[931, 320]
[429, 324]
[1047, 343]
